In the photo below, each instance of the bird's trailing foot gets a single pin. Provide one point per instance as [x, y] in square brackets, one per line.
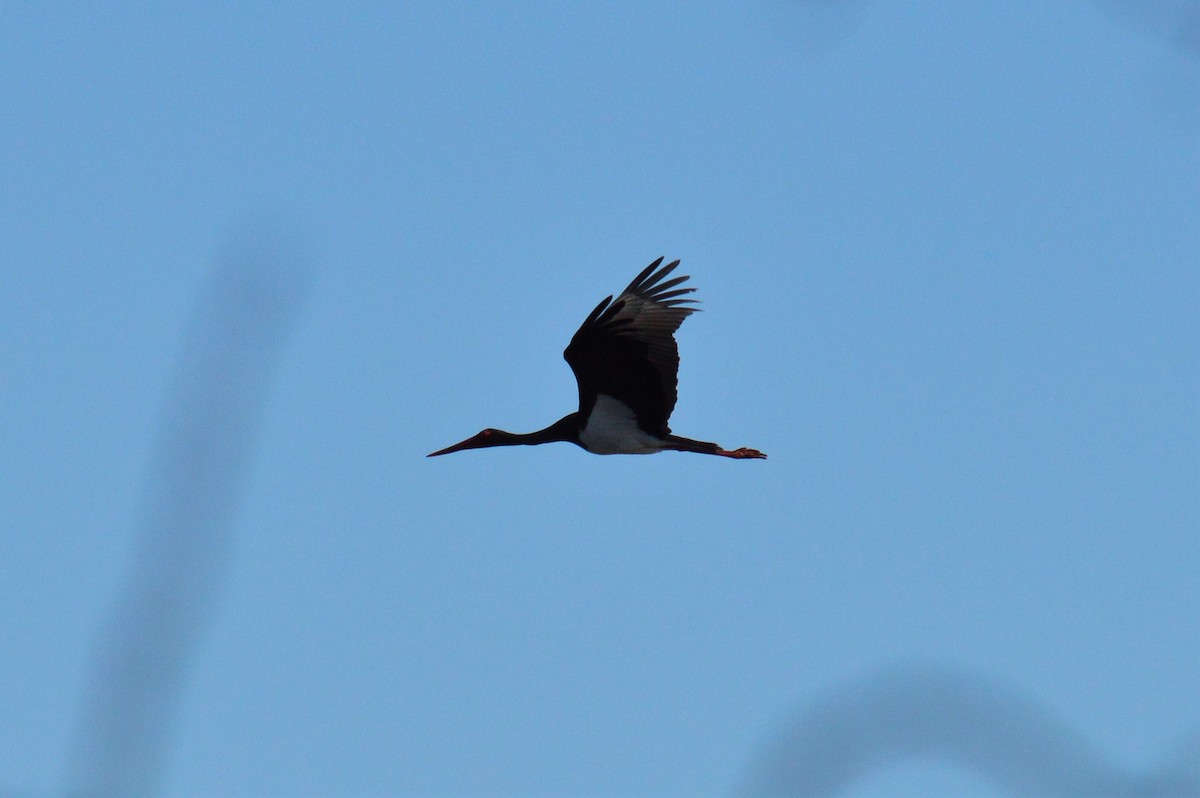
[742, 454]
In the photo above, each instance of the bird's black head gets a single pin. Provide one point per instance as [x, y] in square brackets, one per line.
[483, 439]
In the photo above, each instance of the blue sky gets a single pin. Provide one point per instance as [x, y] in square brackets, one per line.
[947, 254]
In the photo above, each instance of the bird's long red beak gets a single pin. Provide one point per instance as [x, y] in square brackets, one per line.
[473, 442]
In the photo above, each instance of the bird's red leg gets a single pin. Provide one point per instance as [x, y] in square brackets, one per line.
[742, 454]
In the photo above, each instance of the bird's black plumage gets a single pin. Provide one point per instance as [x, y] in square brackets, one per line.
[626, 348]
[627, 366]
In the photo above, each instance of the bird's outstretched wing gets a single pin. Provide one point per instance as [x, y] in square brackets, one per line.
[626, 348]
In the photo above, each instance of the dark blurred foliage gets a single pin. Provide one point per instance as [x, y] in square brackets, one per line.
[989, 730]
[181, 540]
[1175, 23]
[812, 26]
[1172, 85]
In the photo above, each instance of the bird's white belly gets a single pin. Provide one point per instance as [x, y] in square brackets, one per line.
[612, 428]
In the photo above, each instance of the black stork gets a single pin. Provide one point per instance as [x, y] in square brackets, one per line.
[627, 365]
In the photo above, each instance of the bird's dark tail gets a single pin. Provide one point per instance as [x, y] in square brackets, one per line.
[680, 444]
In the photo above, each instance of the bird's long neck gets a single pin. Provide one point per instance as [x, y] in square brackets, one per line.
[565, 429]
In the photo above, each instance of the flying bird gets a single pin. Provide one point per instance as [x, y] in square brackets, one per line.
[627, 365]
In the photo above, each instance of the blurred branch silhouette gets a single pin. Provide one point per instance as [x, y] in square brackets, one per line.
[181, 542]
[1175, 23]
[1171, 84]
[992, 731]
